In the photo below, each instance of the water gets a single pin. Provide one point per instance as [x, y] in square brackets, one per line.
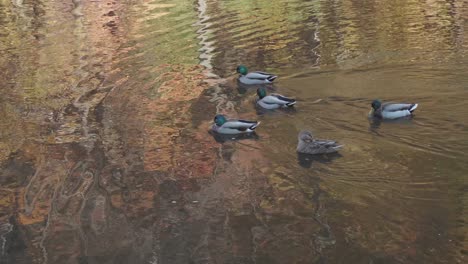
[106, 157]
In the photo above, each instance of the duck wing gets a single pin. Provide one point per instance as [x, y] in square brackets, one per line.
[278, 99]
[327, 146]
[399, 107]
[393, 111]
[261, 76]
[325, 143]
[241, 124]
[286, 100]
[318, 146]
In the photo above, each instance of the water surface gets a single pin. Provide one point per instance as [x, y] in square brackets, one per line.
[106, 157]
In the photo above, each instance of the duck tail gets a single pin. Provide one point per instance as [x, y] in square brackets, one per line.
[413, 107]
[337, 147]
[291, 104]
[271, 78]
[254, 126]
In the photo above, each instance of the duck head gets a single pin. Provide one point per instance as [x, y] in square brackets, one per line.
[376, 104]
[242, 69]
[261, 92]
[305, 136]
[219, 120]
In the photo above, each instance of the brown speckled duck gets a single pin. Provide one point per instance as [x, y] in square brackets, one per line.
[308, 145]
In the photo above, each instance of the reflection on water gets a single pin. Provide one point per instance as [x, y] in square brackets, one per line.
[106, 156]
[306, 160]
[221, 138]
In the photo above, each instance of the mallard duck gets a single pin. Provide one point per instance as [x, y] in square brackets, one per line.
[391, 110]
[273, 101]
[254, 77]
[308, 145]
[233, 126]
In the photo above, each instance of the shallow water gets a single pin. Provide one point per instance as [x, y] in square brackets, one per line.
[106, 157]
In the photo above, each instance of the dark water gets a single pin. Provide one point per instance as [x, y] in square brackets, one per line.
[106, 157]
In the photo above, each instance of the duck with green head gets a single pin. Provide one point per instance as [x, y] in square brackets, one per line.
[391, 110]
[256, 77]
[273, 101]
[223, 125]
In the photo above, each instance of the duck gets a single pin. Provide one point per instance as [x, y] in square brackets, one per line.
[391, 110]
[273, 101]
[309, 145]
[223, 125]
[252, 78]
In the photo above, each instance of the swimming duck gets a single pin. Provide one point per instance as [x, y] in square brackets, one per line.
[254, 77]
[308, 145]
[233, 126]
[273, 101]
[391, 110]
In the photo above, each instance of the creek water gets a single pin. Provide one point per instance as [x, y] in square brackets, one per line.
[106, 155]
